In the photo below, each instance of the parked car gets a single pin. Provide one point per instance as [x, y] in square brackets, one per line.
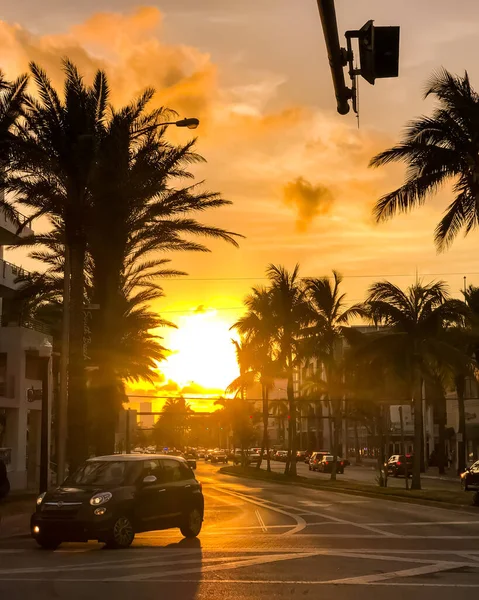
[111, 498]
[253, 458]
[201, 453]
[397, 464]
[281, 455]
[301, 455]
[219, 456]
[327, 462]
[316, 459]
[470, 481]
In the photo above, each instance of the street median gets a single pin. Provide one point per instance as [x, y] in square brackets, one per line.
[442, 498]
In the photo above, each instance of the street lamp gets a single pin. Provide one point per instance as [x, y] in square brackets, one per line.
[44, 355]
[191, 123]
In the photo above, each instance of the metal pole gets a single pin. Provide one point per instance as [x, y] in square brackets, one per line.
[127, 433]
[45, 424]
[327, 13]
[403, 447]
[63, 399]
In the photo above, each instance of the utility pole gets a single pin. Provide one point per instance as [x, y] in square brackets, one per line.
[63, 399]
[403, 446]
[337, 59]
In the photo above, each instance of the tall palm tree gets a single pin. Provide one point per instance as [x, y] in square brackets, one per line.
[437, 149]
[415, 342]
[326, 340]
[135, 199]
[236, 414]
[290, 315]
[52, 160]
[257, 326]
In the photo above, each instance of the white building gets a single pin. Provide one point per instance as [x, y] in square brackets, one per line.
[20, 340]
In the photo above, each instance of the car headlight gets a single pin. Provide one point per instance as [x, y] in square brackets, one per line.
[40, 498]
[101, 498]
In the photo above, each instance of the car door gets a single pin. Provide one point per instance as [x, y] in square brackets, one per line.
[172, 479]
[151, 500]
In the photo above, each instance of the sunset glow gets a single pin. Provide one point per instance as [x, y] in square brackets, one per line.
[202, 352]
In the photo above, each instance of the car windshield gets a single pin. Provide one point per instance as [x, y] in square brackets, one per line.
[99, 473]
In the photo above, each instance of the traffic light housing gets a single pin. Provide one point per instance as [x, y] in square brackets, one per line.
[378, 52]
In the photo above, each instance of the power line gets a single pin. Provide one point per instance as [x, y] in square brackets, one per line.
[262, 278]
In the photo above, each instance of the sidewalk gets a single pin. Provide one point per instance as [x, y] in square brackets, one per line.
[432, 473]
[15, 512]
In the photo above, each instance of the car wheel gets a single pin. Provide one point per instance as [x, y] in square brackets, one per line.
[48, 543]
[310, 468]
[192, 522]
[464, 485]
[122, 533]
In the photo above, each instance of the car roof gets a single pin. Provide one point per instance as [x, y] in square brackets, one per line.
[132, 457]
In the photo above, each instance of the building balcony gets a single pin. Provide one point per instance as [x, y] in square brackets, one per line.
[9, 273]
[11, 231]
[31, 324]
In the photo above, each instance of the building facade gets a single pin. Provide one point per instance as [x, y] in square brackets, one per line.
[20, 375]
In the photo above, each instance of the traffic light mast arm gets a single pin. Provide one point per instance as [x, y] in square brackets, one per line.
[336, 57]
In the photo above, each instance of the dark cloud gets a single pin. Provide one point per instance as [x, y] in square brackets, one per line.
[308, 200]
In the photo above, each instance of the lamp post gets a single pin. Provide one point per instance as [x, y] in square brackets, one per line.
[190, 123]
[44, 355]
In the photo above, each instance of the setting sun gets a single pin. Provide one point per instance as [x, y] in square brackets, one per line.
[202, 351]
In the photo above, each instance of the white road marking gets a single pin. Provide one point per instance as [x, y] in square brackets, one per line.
[300, 522]
[424, 523]
[258, 560]
[377, 577]
[260, 521]
[319, 514]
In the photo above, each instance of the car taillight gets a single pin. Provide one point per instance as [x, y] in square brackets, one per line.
[341, 463]
[326, 462]
[398, 463]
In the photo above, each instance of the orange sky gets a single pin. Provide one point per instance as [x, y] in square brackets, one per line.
[256, 75]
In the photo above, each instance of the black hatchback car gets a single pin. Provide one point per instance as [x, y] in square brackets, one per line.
[111, 498]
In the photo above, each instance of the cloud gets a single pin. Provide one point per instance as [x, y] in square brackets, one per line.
[308, 200]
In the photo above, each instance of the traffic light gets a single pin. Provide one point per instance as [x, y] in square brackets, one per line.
[378, 52]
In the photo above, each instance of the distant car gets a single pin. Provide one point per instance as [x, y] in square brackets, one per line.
[315, 459]
[254, 458]
[301, 454]
[208, 454]
[219, 456]
[470, 481]
[111, 498]
[281, 455]
[201, 453]
[397, 464]
[326, 463]
[191, 460]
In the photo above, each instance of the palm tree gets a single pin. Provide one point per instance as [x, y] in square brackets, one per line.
[438, 149]
[236, 414]
[326, 339]
[256, 325]
[173, 423]
[52, 159]
[280, 410]
[414, 342]
[12, 98]
[135, 200]
[290, 315]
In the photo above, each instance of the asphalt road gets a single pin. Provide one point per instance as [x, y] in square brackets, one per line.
[267, 541]
[368, 474]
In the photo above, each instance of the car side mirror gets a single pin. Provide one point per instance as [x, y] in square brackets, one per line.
[149, 480]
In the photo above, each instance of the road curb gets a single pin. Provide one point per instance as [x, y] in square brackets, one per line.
[366, 494]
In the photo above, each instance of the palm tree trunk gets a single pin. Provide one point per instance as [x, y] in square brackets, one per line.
[461, 407]
[290, 468]
[357, 450]
[336, 434]
[418, 437]
[442, 419]
[77, 448]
